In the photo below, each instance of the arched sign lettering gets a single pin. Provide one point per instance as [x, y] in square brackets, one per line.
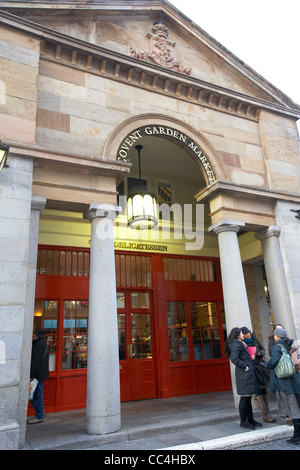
[132, 138]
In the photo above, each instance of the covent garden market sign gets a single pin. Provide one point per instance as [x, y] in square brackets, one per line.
[168, 132]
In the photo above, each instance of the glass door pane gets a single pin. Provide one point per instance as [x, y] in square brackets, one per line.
[45, 316]
[141, 336]
[205, 330]
[134, 325]
[177, 330]
[122, 336]
[74, 349]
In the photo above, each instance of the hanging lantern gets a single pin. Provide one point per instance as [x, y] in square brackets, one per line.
[142, 209]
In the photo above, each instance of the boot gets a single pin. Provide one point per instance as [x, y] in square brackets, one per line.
[264, 408]
[244, 414]
[296, 437]
[250, 418]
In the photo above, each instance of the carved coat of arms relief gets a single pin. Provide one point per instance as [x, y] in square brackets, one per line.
[161, 50]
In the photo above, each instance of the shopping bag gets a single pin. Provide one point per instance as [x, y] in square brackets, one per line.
[32, 387]
[295, 356]
[285, 366]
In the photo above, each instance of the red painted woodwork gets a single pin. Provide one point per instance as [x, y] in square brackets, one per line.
[147, 377]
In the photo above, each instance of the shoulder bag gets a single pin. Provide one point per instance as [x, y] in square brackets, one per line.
[285, 367]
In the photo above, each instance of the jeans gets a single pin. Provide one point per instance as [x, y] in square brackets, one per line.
[38, 401]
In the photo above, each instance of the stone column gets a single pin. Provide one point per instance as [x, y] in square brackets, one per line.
[234, 290]
[103, 381]
[237, 311]
[279, 294]
[37, 205]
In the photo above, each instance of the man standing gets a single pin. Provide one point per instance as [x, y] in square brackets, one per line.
[39, 370]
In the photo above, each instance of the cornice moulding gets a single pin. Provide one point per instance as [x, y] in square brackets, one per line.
[136, 72]
[109, 165]
[226, 187]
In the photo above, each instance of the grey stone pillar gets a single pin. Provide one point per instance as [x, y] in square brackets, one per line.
[237, 311]
[279, 294]
[37, 205]
[103, 381]
[234, 290]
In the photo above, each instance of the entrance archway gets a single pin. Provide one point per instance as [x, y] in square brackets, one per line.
[186, 328]
[194, 142]
[172, 299]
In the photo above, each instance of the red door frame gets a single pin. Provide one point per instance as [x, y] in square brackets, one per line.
[61, 288]
[187, 291]
[133, 369]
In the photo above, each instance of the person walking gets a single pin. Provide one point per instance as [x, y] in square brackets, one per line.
[39, 370]
[288, 388]
[260, 367]
[246, 380]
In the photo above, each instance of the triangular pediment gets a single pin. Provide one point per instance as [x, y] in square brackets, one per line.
[156, 34]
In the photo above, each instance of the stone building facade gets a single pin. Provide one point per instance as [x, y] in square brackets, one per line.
[81, 85]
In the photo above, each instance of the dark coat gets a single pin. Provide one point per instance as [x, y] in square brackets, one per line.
[246, 382]
[258, 361]
[290, 385]
[39, 360]
[271, 342]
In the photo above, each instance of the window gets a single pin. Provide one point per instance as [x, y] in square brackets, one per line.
[164, 191]
[141, 336]
[177, 330]
[194, 331]
[205, 330]
[189, 269]
[74, 350]
[45, 316]
[165, 199]
[122, 335]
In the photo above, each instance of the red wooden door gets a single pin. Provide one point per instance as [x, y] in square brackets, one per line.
[136, 345]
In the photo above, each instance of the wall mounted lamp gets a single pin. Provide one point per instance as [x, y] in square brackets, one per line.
[4, 151]
[298, 212]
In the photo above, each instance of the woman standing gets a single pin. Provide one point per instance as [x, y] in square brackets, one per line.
[289, 388]
[246, 381]
[262, 370]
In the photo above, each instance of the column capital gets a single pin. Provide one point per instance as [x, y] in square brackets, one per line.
[226, 226]
[272, 231]
[102, 211]
[38, 203]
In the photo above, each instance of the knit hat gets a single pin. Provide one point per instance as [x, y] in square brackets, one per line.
[280, 332]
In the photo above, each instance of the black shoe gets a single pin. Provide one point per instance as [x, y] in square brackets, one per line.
[255, 423]
[296, 437]
[246, 425]
[294, 440]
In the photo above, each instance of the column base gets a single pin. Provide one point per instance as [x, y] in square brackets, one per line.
[103, 424]
[9, 436]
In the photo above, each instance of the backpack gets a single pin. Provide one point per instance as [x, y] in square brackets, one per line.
[295, 356]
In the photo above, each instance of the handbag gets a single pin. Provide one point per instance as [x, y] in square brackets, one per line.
[295, 358]
[285, 366]
[32, 387]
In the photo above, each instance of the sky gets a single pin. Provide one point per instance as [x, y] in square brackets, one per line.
[265, 34]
